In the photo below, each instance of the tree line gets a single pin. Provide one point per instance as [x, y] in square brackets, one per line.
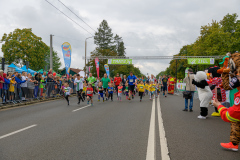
[216, 38]
[109, 44]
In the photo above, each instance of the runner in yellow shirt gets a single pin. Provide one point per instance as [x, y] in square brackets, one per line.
[141, 90]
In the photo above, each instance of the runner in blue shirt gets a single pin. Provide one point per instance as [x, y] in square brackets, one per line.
[131, 82]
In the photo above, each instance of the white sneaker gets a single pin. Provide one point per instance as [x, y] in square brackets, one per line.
[201, 117]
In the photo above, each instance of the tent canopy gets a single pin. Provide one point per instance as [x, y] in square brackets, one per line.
[29, 70]
[12, 66]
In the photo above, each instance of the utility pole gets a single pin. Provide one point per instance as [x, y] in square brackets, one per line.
[51, 57]
[86, 53]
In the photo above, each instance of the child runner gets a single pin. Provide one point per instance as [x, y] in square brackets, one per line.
[84, 91]
[151, 90]
[110, 91]
[120, 91]
[156, 88]
[126, 90]
[78, 82]
[100, 91]
[146, 88]
[90, 93]
[67, 92]
[141, 90]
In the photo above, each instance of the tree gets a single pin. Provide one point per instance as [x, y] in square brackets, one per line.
[56, 60]
[104, 37]
[22, 45]
[216, 38]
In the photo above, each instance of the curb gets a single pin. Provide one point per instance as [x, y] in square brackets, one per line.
[2, 107]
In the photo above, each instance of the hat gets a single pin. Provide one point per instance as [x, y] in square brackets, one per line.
[190, 70]
[224, 59]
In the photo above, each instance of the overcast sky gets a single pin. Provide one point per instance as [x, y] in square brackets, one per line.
[148, 27]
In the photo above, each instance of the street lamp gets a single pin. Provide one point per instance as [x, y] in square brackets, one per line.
[86, 53]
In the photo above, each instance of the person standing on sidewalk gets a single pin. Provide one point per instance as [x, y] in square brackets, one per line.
[189, 88]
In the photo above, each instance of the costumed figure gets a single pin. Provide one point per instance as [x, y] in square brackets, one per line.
[204, 93]
[231, 115]
[217, 91]
[171, 85]
[231, 82]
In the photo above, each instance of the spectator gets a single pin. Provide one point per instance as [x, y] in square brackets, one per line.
[30, 86]
[189, 88]
[1, 83]
[24, 85]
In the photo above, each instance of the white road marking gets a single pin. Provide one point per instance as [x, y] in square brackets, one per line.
[20, 130]
[163, 139]
[81, 108]
[151, 137]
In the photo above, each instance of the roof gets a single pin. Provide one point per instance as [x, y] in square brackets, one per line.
[75, 70]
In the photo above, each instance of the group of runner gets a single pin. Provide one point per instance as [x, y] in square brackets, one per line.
[127, 86]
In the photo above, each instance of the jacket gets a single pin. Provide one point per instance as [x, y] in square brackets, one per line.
[231, 114]
[117, 80]
[188, 81]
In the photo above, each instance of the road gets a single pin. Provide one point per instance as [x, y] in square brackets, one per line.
[127, 130]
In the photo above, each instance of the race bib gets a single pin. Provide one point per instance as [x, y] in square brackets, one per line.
[89, 92]
[131, 80]
[141, 87]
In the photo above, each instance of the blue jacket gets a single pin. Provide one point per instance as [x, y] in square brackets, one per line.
[5, 85]
[19, 82]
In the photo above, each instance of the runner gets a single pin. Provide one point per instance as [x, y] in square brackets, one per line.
[67, 92]
[105, 81]
[110, 91]
[92, 80]
[124, 80]
[117, 81]
[90, 93]
[84, 90]
[131, 81]
[164, 85]
[151, 90]
[126, 90]
[141, 90]
[120, 91]
[100, 91]
[78, 82]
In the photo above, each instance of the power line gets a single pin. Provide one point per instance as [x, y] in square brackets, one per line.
[76, 15]
[70, 38]
[68, 17]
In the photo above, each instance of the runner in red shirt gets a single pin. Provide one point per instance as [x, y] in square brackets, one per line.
[117, 80]
[89, 93]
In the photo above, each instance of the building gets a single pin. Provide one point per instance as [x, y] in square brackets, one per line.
[72, 71]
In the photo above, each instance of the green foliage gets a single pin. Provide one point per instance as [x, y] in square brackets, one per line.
[216, 38]
[22, 45]
[104, 37]
[107, 45]
[56, 61]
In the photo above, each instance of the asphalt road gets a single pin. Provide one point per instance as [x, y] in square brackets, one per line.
[127, 130]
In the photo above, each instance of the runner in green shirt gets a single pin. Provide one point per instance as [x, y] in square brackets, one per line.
[105, 81]
[92, 80]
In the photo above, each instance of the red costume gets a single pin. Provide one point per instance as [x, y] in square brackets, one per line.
[218, 81]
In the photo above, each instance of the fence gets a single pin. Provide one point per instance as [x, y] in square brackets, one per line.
[36, 92]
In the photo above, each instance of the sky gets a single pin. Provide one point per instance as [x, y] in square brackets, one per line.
[147, 27]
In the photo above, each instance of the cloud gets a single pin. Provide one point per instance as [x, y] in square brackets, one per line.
[148, 28]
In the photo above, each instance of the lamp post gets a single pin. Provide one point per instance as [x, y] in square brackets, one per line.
[86, 53]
